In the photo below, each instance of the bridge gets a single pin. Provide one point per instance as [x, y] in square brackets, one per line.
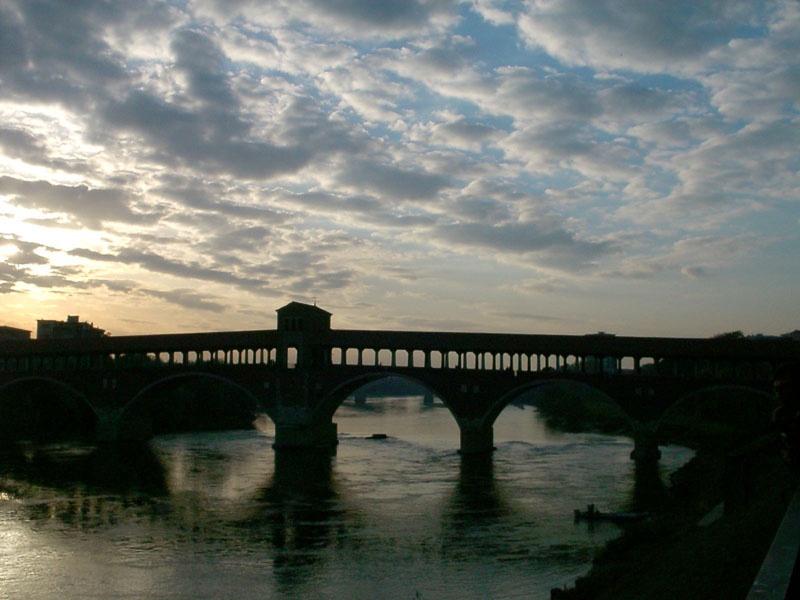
[300, 372]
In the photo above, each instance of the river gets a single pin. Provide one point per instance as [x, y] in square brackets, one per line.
[221, 515]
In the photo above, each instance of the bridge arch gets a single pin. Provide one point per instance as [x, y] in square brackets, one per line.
[334, 397]
[252, 401]
[85, 414]
[697, 397]
[490, 416]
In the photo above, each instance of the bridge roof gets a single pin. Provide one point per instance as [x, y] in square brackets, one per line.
[301, 308]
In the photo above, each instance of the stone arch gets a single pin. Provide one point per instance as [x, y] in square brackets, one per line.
[126, 417]
[334, 397]
[490, 416]
[55, 382]
[256, 404]
[76, 403]
[691, 397]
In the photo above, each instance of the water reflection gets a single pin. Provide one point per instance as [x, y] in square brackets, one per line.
[221, 513]
[476, 511]
[298, 514]
[75, 469]
[80, 486]
[476, 497]
[649, 491]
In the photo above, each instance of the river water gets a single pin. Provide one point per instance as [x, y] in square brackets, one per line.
[221, 515]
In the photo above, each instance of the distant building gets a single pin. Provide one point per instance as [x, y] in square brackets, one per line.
[12, 333]
[70, 329]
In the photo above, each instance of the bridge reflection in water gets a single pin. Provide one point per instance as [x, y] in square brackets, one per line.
[301, 372]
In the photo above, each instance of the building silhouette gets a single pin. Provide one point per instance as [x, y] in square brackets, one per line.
[13, 333]
[71, 329]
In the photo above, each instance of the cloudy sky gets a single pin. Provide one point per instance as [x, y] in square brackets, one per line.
[549, 166]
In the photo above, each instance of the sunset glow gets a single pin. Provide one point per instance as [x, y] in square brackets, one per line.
[475, 165]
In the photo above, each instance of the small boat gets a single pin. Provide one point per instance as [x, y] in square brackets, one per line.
[377, 436]
[592, 514]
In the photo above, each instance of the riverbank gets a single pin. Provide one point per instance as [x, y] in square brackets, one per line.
[710, 536]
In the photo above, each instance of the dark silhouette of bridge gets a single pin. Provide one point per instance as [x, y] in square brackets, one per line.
[301, 372]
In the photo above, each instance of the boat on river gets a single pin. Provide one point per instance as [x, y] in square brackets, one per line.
[592, 514]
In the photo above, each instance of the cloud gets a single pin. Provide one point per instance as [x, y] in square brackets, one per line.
[289, 147]
[202, 141]
[695, 257]
[90, 207]
[186, 298]
[201, 60]
[390, 18]
[546, 242]
[392, 181]
[657, 36]
[25, 251]
[161, 264]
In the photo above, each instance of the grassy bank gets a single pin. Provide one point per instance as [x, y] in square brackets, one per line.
[677, 554]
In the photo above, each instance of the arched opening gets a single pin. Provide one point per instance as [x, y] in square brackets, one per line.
[557, 406]
[647, 366]
[190, 402]
[401, 358]
[368, 356]
[723, 416]
[336, 356]
[291, 357]
[454, 360]
[42, 409]
[351, 356]
[385, 358]
[470, 360]
[391, 409]
[628, 365]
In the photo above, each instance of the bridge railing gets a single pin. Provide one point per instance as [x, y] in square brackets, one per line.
[779, 576]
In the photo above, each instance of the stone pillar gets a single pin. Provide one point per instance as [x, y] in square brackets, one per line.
[645, 443]
[114, 426]
[476, 438]
[297, 435]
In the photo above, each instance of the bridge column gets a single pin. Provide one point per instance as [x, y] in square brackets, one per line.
[476, 438]
[112, 427]
[312, 435]
[645, 443]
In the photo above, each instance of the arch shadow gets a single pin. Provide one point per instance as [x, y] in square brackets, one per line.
[513, 394]
[749, 410]
[147, 398]
[28, 408]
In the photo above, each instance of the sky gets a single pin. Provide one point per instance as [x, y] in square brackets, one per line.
[548, 166]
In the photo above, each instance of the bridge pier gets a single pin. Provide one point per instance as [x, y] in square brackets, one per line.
[645, 443]
[300, 435]
[111, 427]
[476, 438]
